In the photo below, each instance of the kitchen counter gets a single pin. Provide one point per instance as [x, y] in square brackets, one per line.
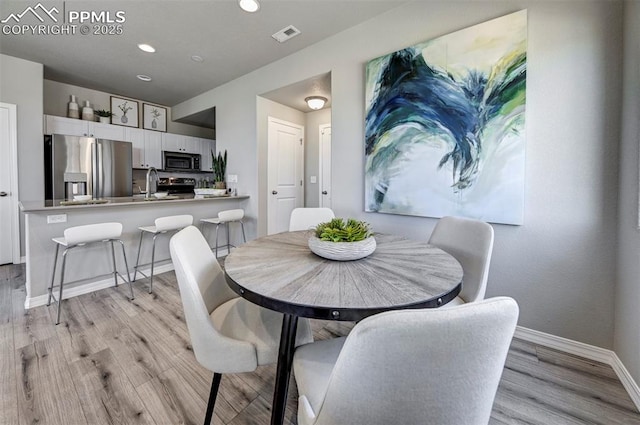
[89, 269]
[136, 200]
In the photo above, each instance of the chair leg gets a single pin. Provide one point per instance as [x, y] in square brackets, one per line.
[126, 266]
[244, 237]
[228, 238]
[217, 226]
[215, 383]
[153, 260]
[135, 269]
[64, 262]
[113, 258]
[53, 274]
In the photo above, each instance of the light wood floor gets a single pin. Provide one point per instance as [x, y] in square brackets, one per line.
[113, 361]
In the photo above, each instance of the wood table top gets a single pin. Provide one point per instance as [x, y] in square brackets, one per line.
[281, 273]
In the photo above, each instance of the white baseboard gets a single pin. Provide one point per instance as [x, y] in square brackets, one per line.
[86, 288]
[587, 351]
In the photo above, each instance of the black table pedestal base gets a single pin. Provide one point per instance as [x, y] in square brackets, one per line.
[285, 360]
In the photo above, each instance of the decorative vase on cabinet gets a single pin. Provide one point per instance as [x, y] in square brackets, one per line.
[87, 112]
[72, 108]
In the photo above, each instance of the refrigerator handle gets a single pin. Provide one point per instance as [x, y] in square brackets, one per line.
[99, 167]
[96, 170]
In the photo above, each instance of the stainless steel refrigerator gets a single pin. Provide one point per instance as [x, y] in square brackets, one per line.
[85, 165]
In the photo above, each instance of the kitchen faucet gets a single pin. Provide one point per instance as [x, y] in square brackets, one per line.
[148, 186]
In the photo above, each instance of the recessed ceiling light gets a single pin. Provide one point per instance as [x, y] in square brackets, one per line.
[197, 58]
[146, 48]
[249, 5]
[142, 77]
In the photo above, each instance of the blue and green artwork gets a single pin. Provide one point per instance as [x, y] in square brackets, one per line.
[445, 121]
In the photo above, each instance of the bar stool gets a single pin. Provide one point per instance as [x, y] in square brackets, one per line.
[224, 218]
[80, 236]
[162, 225]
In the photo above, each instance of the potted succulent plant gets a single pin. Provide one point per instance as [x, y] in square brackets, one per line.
[219, 169]
[342, 240]
[104, 116]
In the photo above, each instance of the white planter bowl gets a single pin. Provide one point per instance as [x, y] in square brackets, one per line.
[342, 251]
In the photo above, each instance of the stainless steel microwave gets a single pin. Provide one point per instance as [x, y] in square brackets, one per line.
[180, 161]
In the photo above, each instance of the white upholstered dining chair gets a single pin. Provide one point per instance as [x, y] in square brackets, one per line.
[228, 333]
[471, 243]
[307, 218]
[410, 367]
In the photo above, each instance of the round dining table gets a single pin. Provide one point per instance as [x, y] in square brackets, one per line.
[279, 272]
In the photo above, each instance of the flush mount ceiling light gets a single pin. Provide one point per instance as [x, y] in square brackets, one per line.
[146, 48]
[197, 58]
[143, 77]
[249, 5]
[315, 102]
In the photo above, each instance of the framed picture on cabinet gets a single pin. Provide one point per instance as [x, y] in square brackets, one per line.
[125, 112]
[154, 117]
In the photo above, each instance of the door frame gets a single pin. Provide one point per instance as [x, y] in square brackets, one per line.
[321, 128]
[273, 120]
[13, 186]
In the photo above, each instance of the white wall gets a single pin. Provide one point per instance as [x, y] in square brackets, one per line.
[57, 96]
[21, 84]
[312, 154]
[627, 300]
[560, 265]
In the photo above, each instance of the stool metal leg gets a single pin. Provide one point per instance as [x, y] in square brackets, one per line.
[64, 261]
[217, 226]
[135, 269]
[53, 274]
[228, 239]
[113, 258]
[243, 235]
[126, 266]
[153, 260]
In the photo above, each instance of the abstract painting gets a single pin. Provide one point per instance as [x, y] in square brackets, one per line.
[445, 125]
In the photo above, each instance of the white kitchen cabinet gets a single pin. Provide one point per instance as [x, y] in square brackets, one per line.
[146, 147]
[136, 137]
[153, 149]
[106, 131]
[61, 125]
[76, 127]
[180, 143]
[206, 146]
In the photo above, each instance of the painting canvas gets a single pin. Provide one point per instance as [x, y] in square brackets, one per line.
[445, 125]
[154, 117]
[125, 112]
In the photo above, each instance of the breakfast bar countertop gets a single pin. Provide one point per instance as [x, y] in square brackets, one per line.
[42, 206]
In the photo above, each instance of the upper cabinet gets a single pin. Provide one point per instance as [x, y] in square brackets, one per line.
[180, 143]
[206, 147]
[146, 145]
[75, 127]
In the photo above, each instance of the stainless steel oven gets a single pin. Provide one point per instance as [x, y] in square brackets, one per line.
[180, 161]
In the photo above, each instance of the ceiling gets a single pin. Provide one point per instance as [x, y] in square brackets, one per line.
[230, 41]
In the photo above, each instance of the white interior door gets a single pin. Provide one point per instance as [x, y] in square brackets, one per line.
[325, 165]
[9, 239]
[285, 173]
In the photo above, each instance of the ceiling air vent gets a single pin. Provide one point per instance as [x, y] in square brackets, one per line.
[286, 33]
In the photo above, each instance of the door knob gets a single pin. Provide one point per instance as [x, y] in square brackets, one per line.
[324, 192]
[3, 193]
[274, 192]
